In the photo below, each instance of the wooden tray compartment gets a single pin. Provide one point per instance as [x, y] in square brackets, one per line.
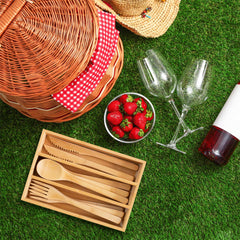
[98, 156]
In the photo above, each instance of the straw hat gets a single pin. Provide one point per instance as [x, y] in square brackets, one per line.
[147, 18]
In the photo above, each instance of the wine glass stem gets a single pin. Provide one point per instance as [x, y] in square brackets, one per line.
[172, 103]
[183, 115]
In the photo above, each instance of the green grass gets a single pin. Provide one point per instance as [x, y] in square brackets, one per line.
[180, 196]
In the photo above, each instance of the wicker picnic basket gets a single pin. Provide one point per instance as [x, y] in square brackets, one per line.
[44, 45]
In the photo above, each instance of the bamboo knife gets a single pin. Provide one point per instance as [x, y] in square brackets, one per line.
[83, 151]
[79, 160]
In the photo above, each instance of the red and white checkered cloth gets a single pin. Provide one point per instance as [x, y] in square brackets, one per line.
[77, 91]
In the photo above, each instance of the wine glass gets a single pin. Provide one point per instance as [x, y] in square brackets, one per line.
[192, 89]
[159, 79]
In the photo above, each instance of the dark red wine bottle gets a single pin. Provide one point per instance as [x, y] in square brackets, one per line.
[224, 134]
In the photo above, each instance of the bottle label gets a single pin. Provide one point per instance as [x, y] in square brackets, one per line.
[229, 117]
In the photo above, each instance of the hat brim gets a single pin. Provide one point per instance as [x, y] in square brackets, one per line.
[162, 15]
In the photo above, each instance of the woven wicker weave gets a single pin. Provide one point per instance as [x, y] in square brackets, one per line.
[44, 44]
[48, 110]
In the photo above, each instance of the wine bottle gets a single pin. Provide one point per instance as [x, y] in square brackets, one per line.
[224, 134]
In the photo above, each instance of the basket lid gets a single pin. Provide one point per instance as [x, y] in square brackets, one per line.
[44, 44]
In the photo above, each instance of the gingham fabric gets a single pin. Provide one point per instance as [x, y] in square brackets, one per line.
[77, 91]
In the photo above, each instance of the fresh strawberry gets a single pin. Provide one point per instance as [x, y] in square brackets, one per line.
[136, 133]
[148, 114]
[130, 108]
[141, 104]
[140, 120]
[147, 126]
[114, 106]
[129, 118]
[117, 132]
[125, 98]
[115, 118]
[126, 125]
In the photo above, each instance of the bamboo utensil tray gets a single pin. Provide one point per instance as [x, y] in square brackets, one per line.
[100, 185]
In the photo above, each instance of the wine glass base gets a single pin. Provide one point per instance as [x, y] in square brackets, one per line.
[196, 129]
[171, 146]
[188, 132]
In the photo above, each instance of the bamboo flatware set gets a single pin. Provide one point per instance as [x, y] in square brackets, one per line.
[83, 180]
[54, 171]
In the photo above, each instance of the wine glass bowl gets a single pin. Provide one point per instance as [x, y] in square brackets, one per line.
[157, 75]
[193, 85]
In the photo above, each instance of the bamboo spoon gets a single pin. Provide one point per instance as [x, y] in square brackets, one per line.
[46, 193]
[112, 183]
[54, 171]
[103, 183]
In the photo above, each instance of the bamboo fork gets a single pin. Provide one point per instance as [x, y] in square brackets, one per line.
[47, 193]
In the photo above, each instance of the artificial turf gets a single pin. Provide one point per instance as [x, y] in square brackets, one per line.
[180, 196]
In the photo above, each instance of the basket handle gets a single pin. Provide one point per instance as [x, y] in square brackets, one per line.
[11, 12]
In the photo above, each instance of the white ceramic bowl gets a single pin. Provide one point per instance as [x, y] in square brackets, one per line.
[150, 107]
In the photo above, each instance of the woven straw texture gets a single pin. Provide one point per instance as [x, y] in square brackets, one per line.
[162, 15]
[47, 109]
[44, 44]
